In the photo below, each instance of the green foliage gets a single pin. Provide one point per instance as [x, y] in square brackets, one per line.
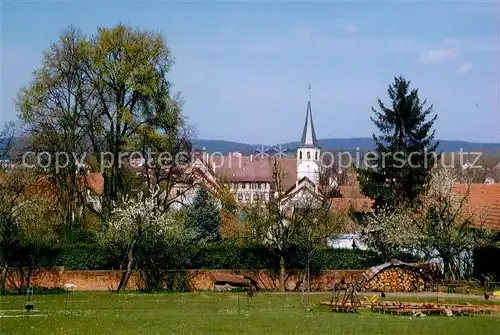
[209, 256]
[405, 152]
[228, 256]
[345, 259]
[203, 218]
[86, 257]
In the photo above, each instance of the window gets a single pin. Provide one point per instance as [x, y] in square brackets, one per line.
[300, 154]
[240, 186]
[247, 186]
[316, 156]
[262, 186]
[308, 155]
[247, 197]
[240, 197]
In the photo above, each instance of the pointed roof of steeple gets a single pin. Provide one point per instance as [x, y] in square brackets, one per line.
[308, 134]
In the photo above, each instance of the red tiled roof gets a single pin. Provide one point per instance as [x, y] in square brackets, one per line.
[357, 204]
[351, 197]
[353, 191]
[484, 200]
[237, 168]
[95, 182]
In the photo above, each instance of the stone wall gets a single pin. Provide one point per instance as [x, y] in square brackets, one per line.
[198, 279]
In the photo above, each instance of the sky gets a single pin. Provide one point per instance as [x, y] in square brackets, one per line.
[243, 67]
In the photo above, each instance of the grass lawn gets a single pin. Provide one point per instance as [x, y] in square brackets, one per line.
[216, 313]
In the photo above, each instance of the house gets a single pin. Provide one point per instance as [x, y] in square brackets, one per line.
[261, 177]
[483, 201]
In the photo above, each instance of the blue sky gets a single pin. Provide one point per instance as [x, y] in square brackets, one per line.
[244, 67]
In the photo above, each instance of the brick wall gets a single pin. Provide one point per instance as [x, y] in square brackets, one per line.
[199, 279]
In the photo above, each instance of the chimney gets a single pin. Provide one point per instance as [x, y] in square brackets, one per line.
[251, 158]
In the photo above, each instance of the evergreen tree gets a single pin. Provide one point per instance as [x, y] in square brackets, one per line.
[400, 167]
[203, 218]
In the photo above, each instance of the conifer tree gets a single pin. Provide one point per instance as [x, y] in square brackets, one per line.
[405, 153]
[203, 218]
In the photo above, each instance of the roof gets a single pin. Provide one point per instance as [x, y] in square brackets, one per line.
[95, 182]
[361, 205]
[351, 197]
[483, 199]
[308, 134]
[305, 184]
[237, 168]
[44, 186]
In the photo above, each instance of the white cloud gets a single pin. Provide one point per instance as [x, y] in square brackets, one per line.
[350, 28]
[447, 50]
[464, 68]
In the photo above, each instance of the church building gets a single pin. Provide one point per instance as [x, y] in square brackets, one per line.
[260, 177]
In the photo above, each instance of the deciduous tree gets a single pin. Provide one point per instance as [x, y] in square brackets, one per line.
[138, 225]
[281, 223]
[52, 109]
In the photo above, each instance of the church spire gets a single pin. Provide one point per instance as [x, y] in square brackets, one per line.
[308, 134]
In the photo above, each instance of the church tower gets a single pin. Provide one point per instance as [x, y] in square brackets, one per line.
[308, 152]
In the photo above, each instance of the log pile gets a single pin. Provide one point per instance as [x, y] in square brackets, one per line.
[415, 308]
[398, 279]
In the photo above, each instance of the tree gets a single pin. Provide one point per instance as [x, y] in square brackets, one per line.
[391, 232]
[6, 142]
[204, 218]
[280, 223]
[125, 71]
[27, 224]
[405, 152]
[444, 226]
[452, 228]
[52, 109]
[97, 98]
[315, 225]
[137, 226]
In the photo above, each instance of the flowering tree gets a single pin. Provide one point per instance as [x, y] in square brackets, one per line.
[452, 229]
[443, 226]
[27, 224]
[138, 225]
[391, 232]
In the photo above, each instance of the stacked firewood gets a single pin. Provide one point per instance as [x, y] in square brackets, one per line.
[398, 279]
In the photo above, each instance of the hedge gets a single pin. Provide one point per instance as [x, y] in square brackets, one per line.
[220, 256]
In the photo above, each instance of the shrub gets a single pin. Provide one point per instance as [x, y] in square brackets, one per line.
[228, 255]
[86, 257]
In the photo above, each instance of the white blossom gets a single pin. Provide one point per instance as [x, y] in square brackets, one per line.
[140, 215]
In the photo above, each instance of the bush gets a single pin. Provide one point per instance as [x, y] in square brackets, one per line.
[226, 255]
[230, 256]
[341, 259]
[86, 257]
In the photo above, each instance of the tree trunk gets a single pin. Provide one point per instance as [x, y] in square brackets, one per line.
[127, 274]
[308, 284]
[448, 270]
[282, 274]
[28, 277]
[4, 277]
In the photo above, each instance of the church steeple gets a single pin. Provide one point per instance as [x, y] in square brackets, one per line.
[308, 152]
[308, 134]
